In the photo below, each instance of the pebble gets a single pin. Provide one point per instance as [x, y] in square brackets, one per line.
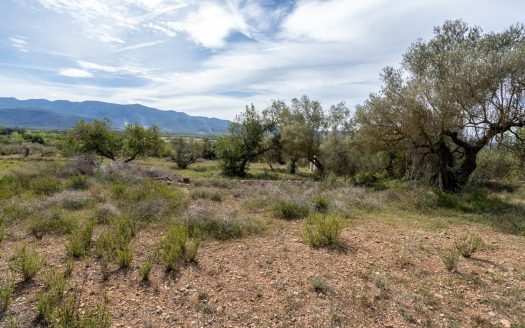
[505, 323]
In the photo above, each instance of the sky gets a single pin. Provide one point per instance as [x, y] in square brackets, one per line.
[213, 57]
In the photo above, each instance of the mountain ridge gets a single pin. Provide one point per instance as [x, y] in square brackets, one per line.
[59, 114]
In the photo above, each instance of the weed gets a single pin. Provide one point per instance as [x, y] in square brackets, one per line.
[2, 229]
[450, 260]
[27, 261]
[52, 221]
[78, 182]
[290, 210]
[321, 204]
[320, 286]
[220, 228]
[145, 270]
[7, 288]
[176, 248]
[124, 255]
[469, 245]
[323, 231]
[80, 240]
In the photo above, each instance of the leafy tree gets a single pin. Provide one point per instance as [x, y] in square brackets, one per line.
[250, 135]
[453, 95]
[98, 138]
[187, 151]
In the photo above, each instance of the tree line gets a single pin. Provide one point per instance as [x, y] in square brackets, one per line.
[453, 96]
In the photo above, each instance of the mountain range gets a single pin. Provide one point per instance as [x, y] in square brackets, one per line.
[63, 114]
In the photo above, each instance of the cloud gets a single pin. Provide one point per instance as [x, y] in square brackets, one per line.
[210, 24]
[75, 72]
[19, 43]
[139, 46]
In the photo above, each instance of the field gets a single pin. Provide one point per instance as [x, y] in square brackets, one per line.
[134, 245]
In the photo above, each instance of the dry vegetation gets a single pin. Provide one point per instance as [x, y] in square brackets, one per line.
[130, 246]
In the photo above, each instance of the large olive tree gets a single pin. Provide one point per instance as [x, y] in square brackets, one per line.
[453, 95]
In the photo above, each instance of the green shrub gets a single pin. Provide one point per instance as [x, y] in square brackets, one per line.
[97, 317]
[50, 300]
[450, 260]
[27, 261]
[319, 285]
[80, 240]
[124, 255]
[2, 229]
[220, 228]
[145, 270]
[290, 210]
[323, 231]
[45, 185]
[52, 221]
[176, 248]
[469, 245]
[321, 204]
[7, 288]
[78, 182]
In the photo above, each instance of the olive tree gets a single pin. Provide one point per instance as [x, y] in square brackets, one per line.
[98, 138]
[187, 151]
[249, 136]
[452, 96]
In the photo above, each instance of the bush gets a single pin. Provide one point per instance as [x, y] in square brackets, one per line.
[320, 286]
[7, 288]
[50, 300]
[219, 228]
[80, 240]
[450, 260]
[45, 185]
[321, 203]
[469, 245]
[124, 254]
[323, 231]
[2, 229]
[70, 200]
[176, 248]
[52, 221]
[145, 270]
[27, 261]
[78, 182]
[290, 210]
[105, 212]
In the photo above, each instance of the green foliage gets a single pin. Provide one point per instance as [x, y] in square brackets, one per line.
[187, 151]
[50, 300]
[450, 260]
[289, 209]
[78, 181]
[320, 286]
[7, 289]
[124, 255]
[80, 240]
[177, 248]
[98, 138]
[469, 245]
[250, 135]
[323, 231]
[2, 229]
[204, 194]
[51, 221]
[220, 228]
[321, 203]
[145, 270]
[27, 261]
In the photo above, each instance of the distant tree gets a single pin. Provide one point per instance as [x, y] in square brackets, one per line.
[98, 138]
[249, 136]
[186, 151]
[453, 95]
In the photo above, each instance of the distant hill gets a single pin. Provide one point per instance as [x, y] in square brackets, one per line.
[63, 114]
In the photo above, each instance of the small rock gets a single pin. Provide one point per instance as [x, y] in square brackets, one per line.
[505, 323]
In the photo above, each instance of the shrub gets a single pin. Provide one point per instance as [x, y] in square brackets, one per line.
[176, 248]
[2, 229]
[323, 231]
[45, 185]
[319, 285]
[124, 255]
[27, 261]
[70, 200]
[97, 317]
[145, 270]
[7, 288]
[78, 182]
[219, 228]
[321, 203]
[105, 212]
[50, 300]
[469, 245]
[290, 210]
[80, 240]
[450, 260]
[52, 221]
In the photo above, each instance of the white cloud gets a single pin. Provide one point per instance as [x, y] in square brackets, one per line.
[19, 43]
[140, 45]
[75, 72]
[209, 25]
